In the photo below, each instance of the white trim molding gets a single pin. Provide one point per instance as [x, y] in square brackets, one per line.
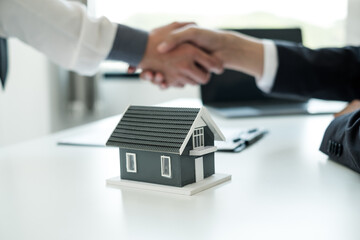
[131, 167]
[203, 150]
[166, 166]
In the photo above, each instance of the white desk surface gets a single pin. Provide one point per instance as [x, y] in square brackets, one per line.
[282, 188]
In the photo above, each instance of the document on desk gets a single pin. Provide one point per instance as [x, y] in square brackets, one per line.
[96, 137]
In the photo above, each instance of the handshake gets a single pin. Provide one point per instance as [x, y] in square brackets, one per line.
[179, 54]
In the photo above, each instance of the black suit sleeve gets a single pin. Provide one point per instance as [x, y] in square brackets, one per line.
[342, 140]
[326, 73]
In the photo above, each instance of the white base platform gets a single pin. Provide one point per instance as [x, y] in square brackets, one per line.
[188, 190]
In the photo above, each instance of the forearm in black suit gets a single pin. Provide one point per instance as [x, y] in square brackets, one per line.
[342, 140]
[326, 73]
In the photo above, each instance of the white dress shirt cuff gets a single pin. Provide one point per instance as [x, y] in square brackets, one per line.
[266, 82]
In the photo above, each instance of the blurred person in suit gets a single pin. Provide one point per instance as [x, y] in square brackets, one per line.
[288, 68]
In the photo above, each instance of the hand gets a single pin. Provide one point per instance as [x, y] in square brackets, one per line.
[237, 51]
[156, 78]
[351, 107]
[186, 64]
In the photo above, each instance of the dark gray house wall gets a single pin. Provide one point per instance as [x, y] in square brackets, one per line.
[149, 167]
[188, 169]
[209, 164]
[209, 159]
[188, 162]
[209, 137]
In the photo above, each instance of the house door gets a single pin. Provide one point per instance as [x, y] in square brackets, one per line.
[199, 169]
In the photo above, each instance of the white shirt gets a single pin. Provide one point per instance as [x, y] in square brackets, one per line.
[65, 33]
[61, 30]
[266, 82]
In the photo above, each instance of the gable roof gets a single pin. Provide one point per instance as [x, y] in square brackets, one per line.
[159, 129]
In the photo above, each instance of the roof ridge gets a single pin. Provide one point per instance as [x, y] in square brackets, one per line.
[171, 109]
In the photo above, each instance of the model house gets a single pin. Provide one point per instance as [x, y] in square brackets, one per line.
[169, 146]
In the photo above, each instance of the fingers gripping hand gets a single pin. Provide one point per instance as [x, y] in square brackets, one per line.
[210, 40]
[185, 64]
[193, 64]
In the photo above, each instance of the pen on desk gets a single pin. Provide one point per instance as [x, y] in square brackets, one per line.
[242, 140]
[256, 137]
[240, 147]
[250, 138]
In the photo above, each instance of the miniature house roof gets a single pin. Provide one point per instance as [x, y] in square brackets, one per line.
[160, 129]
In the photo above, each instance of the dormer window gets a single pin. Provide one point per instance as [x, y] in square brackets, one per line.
[198, 138]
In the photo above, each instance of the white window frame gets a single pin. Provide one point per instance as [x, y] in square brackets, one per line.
[163, 167]
[128, 162]
[198, 138]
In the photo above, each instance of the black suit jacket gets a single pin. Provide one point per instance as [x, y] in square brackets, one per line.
[326, 73]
